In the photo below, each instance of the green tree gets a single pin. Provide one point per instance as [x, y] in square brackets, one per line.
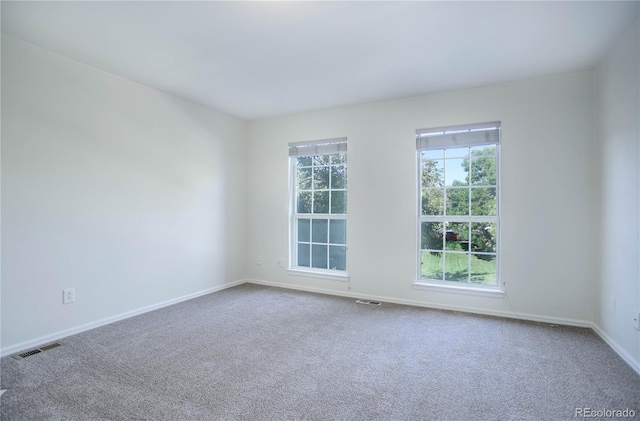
[432, 188]
[432, 236]
[432, 204]
[483, 239]
[483, 166]
[482, 176]
[482, 173]
[432, 174]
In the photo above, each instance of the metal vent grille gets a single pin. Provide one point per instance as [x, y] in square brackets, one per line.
[36, 350]
[28, 353]
[48, 347]
[368, 302]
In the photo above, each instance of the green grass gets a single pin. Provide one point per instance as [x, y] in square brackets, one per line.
[456, 268]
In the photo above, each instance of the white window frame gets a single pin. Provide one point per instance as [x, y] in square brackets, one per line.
[443, 138]
[313, 148]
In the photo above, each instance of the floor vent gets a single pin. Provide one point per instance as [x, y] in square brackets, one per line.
[36, 351]
[368, 302]
[48, 347]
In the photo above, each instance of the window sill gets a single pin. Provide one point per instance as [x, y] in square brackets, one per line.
[457, 289]
[332, 276]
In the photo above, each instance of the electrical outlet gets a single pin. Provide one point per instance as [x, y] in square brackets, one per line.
[68, 295]
[636, 320]
[259, 261]
[281, 263]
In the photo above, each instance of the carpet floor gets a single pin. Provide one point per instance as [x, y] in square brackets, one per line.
[259, 353]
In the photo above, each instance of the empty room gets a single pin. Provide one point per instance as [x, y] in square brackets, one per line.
[320, 210]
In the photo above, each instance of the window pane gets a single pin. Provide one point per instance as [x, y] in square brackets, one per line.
[304, 178]
[456, 267]
[483, 150]
[457, 236]
[483, 269]
[304, 251]
[321, 202]
[456, 172]
[321, 160]
[458, 201]
[319, 259]
[304, 161]
[432, 174]
[431, 236]
[338, 257]
[338, 231]
[304, 202]
[433, 202]
[432, 154]
[456, 152]
[321, 178]
[483, 201]
[304, 230]
[431, 265]
[339, 158]
[483, 237]
[339, 177]
[338, 202]
[483, 170]
[319, 229]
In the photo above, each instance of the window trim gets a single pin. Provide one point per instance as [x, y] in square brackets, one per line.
[450, 134]
[313, 148]
[330, 275]
[444, 286]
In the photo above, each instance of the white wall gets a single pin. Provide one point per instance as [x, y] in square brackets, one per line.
[129, 195]
[547, 253]
[617, 217]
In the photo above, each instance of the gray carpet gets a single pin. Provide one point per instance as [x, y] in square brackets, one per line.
[259, 353]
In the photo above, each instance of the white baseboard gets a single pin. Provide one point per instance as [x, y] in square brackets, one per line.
[42, 340]
[427, 304]
[635, 364]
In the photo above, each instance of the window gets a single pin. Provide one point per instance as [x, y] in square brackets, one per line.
[459, 205]
[319, 206]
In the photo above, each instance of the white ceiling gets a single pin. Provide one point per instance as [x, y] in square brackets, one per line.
[256, 60]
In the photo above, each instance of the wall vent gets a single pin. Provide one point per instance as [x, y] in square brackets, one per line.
[368, 302]
[36, 350]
